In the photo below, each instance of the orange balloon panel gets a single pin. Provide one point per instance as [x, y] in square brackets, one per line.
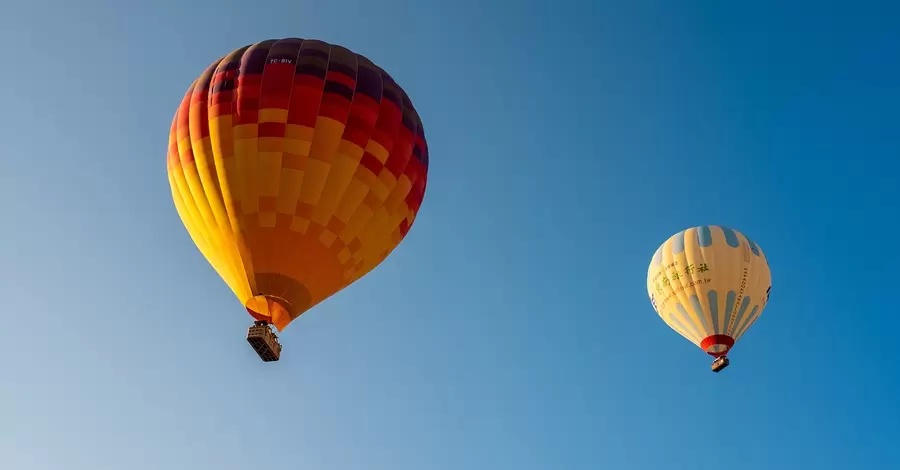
[296, 166]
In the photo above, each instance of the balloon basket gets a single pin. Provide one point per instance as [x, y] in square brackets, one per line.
[720, 363]
[264, 341]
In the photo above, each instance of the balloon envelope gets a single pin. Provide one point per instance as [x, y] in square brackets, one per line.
[710, 284]
[296, 166]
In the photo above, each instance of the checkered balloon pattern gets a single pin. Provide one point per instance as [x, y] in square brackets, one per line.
[297, 167]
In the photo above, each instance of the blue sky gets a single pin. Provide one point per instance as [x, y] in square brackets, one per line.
[511, 329]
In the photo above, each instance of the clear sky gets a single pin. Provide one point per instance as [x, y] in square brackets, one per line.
[511, 329]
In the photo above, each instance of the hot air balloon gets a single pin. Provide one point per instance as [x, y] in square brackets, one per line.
[296, 166]
[710, 284]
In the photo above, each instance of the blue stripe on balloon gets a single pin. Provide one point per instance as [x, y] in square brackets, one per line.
[688, 320]
[740, 331]
[698, 309]
[704, 235]
[729, 306]
[730, 237]
[740, 316]
[749, 324]
[680, 325]
[657, 257]
[713, 297]
[678, 242]
[753, 247]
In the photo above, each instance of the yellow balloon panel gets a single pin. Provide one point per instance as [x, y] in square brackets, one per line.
[297, 166]
[709, 284]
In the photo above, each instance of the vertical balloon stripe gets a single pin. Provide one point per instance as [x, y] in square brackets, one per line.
[729, 307]
[675, 289]
[688, 319]
[747, 325]
[704, 316]
[678, 243]
[714, 311]
[307, 90]
[194, 194]
[276, 90]
[222, 116]
[376, 230]
[678, 325]
[704, 236]
[730, 237]
[189, 213]
[745, 322]
[342, 156]
[732, 327]
[199, 136]
[753, 247]
[344, 80]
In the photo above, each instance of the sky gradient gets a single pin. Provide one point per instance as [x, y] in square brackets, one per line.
[511, 329]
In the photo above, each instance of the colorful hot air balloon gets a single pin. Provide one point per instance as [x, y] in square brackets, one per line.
[709, 284]
[296, 166]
